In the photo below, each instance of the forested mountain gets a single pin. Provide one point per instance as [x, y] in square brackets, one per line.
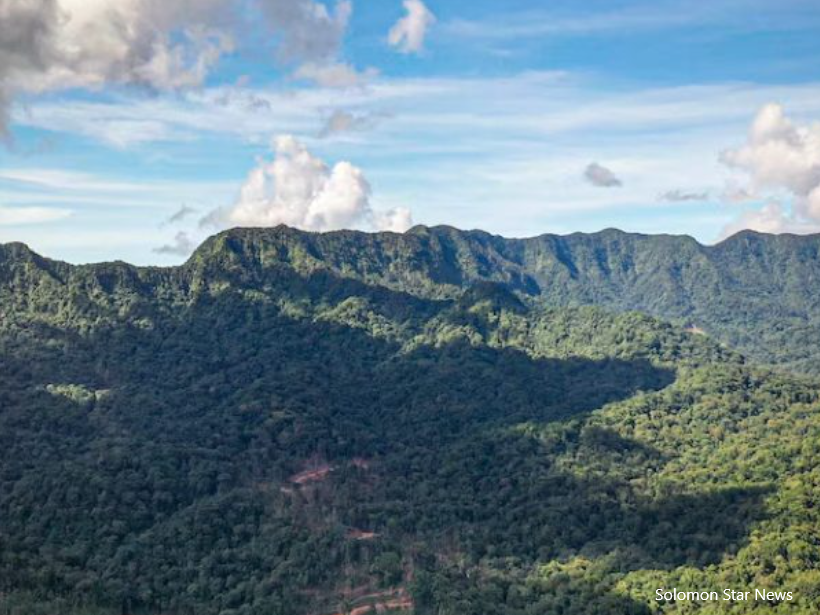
[758, 293]
[296, 424]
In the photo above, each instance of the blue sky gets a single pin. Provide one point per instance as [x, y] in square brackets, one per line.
[516, 117]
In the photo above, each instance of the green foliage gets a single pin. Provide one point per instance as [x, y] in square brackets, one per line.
[757, 293]
[279, 428]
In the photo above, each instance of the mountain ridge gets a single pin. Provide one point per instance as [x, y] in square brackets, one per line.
[758, 293]
[417, 230]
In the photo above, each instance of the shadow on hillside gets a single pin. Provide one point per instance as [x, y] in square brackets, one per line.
[495, 496]
[230, 394]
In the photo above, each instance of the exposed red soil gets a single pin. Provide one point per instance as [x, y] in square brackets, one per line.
[355, 534]
[312, 475]
[399, 604]
[393, 600]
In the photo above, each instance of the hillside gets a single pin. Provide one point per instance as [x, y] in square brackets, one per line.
[306, 424]
[758, 293]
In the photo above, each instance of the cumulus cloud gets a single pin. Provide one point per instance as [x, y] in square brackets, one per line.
[408, 34]
[182, 245]
[397, 220]
[340, 122]
[779, 154]
[784, 157]
[300, 190]
[600, 176]
[308, 31]
[59, 44]
[50, 45]
[771, 218]
[678, 196]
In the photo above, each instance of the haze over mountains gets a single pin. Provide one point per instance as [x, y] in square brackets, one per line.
[439, 422]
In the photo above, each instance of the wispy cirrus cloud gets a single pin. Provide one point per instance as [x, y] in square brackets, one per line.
[633, 17]
[82, 192]
[23, 216]
[680, 196]
[341, 122]
[72, 183]
[94, 216]
[529, 106]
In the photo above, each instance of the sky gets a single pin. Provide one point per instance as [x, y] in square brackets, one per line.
[134, 129]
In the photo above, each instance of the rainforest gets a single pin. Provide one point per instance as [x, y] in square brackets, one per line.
[439, 422]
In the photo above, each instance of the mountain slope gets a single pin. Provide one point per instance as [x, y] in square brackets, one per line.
[267, 429]
[757, 293]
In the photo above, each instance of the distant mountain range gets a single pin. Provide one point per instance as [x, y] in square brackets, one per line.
[439, 422]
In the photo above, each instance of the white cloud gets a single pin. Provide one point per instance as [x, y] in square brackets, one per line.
[784, 157]
[633, 17]
[300, 190]
[408, 34]
[811, 205]
[88, 43]
[507, 163]
[69, 181]
[771, 218]
[18, 216]
[51, 45]
[334, 74]
[600, 176]
[84, 192]
[311, 36]
[307, 30]
[442, 114]
[163, 45]
[778, 153]
[396, 220]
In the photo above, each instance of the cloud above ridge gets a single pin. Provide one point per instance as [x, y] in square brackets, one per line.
[784, 157]
[300, 190]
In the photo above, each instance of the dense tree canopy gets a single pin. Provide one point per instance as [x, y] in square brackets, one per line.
[268, 431]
